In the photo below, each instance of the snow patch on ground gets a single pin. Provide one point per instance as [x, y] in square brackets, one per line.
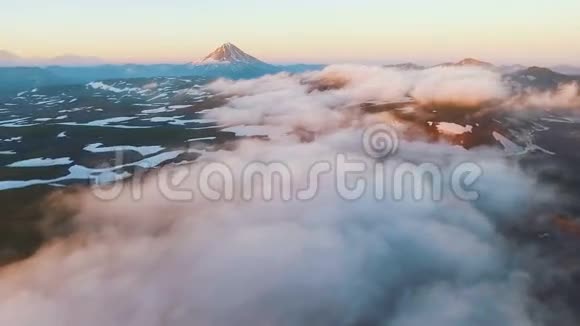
[12, 139]
[41, 162]
[177, 107]
[99, 176]
[509, 146]
[109, 88]
[159, 110]
[200, 139]
[105, 122]
[162, 95]
[177, 121]
[143, 150]
[449, 128]
[272, 132]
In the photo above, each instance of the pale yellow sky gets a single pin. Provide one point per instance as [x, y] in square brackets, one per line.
[378, 31]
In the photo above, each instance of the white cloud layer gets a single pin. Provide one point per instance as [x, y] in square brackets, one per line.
[326, 261]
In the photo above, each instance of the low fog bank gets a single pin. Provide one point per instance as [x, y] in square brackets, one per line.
[322, 261]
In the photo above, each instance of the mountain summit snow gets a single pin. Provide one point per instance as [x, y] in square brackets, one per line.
[229, 54]
[231, 62]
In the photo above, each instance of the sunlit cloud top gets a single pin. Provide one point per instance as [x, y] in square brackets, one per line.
[325, 31]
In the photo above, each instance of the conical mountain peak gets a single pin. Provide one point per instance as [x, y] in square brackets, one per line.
[229, 53]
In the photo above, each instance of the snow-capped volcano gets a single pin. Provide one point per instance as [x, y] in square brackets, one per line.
[230, 61]
[228, 54]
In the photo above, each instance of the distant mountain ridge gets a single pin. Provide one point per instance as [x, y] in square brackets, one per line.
[6, 55]
[567, 70]
[406, 66]
[468, 62]
[533, 77]
[461, 63]
[541, 78]
[75, 61]
[9, 59]
[227, 61]
[504, 69]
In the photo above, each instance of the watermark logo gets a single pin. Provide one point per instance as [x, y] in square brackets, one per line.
[376, 170]
[380, 140]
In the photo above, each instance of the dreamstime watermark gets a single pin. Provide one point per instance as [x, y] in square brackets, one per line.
[376, 172]
[379, 141]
